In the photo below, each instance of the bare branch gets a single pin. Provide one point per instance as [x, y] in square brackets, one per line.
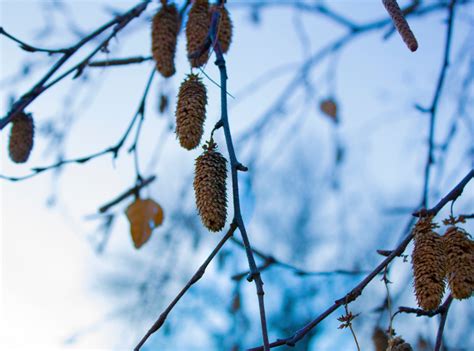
[357, 291]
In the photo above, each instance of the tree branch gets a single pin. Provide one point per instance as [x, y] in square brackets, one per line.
[118, 24]
[357, 291]
[198, 275]
[236, 166]
[114, 150]
[433, 109]
[31, 48]
[442, 323]
[126, 194]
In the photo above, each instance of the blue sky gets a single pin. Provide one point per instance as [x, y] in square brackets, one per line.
[51, 276]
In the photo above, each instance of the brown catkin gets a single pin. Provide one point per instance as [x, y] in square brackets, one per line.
[224, 31]
[164, 35]
[398, 344]
[428, 264]
[210, 187]
[380, 339]
[459, 250]
[197, 28]
[21, 137]
[191, 111]
[401, 23]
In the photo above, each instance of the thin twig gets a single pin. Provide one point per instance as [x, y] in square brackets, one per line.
[126, 194]
[442, 323]
[433, 109]
[31, 48]
[114, 150]
[197, 275]
[119, 61]
[270, 261]
[117, 23]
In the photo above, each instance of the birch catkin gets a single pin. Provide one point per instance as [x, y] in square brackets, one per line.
[398, 344]
[224, 31]
[401, 24]
[459, 251]
[164, 36]
[191, 112]
[21, 137]
[380, 339]
[428, 264]
[197, 28]
[210, 187]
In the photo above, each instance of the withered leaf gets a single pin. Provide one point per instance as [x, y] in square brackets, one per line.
[144, 216]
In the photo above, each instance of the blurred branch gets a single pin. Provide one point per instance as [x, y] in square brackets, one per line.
[309, 64]
[119, 61]
[269, 260]
[31, 48]
[126, 194]
[432, 110]
[118, 24]
[357, 291]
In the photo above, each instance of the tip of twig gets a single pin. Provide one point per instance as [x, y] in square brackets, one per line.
[384, 253]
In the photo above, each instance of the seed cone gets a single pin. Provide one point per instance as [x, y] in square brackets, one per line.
[210, 187]
[380, 339]
[191, 112]
[197, 28]
[224, 31]
[401, 24]
[398, 344]
[459, 251]
[164, 35]
[428, 264]
[21, 137]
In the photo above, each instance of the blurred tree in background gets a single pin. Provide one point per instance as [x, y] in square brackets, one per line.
[337, 136]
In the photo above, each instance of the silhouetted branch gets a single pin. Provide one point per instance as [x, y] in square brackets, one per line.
[442, 323]
[118, 24]
[357, 290]
[114, 150]
[198, 275]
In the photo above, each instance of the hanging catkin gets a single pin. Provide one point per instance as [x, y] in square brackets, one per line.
[398, 344]
[191, 112]
[428, 264]
[459, 250]
[21, 137]
[164, 35]
[401, 24]
[380, 339]
[197, 28]
[224, 31]
[210, 187]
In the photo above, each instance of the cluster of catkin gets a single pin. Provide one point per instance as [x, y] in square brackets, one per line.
[436, 258]
[22, 136]
[165, 30]
[211, 166]
[210, 169]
